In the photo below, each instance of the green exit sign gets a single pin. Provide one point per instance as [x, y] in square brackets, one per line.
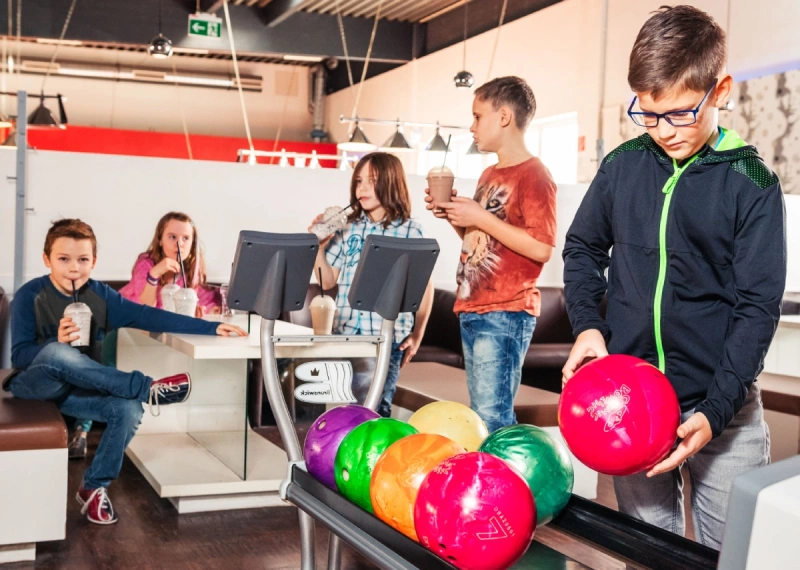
[205, 26]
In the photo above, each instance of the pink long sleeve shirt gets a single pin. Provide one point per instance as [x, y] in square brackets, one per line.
[207, 297]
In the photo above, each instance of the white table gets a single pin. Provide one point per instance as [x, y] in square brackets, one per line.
[784, 352]
[202, 454]
[782, 374]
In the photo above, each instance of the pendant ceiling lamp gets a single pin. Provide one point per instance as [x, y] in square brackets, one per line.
[160, 46]
[464, 79]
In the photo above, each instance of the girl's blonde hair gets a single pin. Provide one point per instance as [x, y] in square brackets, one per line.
[193, 262]
[390, 187]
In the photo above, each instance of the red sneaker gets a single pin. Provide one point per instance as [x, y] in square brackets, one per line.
[96, 505]
[170, 390]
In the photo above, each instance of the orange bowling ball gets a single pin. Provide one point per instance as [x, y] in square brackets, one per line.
[399, 473]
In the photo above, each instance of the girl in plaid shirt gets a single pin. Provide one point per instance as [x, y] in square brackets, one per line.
[381, 205]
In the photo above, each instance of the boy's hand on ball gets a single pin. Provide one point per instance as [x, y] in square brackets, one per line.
[589, 345]
[695, 433]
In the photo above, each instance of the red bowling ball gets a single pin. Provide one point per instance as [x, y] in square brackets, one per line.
[476, 512]
[619, 415]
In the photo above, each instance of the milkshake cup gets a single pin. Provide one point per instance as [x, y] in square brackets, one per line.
[81, 315]
[323, 309]
[185, 301]
[333, 219]
[440, 183]
[167, 292]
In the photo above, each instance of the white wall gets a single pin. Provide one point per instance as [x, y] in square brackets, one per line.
[557, 50]
[122, 198]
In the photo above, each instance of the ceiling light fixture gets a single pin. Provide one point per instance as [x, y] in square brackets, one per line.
[307, 58]
[42, 117]
[160, 46]
[464, 79]
[397, 142]
[437, 143]
[357, 142]
[473, 149]
[189, 51]
[54, 42]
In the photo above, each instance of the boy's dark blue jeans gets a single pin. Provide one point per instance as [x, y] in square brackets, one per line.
[86, 389]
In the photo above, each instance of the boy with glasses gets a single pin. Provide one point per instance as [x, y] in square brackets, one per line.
[696, 273]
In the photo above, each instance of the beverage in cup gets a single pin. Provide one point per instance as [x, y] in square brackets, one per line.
[185, 300]
[440, 183]
[323, 309]
[81, 315]
[333, 219]
[167, 292]
[224, 310]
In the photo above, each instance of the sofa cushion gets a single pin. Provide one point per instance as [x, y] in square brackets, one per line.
[30, 424]
[438, 354]
[547, 355]
[422, 383]
[552, 325]
[443, 330]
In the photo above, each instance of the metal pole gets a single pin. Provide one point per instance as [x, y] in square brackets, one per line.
[19, 222]
[603, 47]
[288, 434]
[381, 365]
[372, 402]
[334, 552]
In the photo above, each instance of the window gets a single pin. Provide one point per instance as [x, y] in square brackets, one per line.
[553, 139]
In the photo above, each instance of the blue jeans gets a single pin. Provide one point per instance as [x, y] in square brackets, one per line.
[364, 372]
[88, 390]
[741, 447]
[495, 345]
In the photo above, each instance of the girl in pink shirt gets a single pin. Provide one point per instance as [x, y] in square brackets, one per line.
[159, 265]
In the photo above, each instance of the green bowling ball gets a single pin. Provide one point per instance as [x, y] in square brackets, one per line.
[542, 460]
[359, 452]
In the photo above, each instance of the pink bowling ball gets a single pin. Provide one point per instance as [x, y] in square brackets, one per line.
[619, 415]
[476, 512]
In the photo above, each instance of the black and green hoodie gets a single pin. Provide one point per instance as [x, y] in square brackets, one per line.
[696, 259]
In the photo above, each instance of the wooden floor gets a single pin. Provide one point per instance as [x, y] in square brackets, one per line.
[151, 535]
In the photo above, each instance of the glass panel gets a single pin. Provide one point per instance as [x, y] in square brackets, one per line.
[217, 409]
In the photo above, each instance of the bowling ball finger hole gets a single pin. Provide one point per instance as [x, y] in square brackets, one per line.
[322, 425]
[345, 475]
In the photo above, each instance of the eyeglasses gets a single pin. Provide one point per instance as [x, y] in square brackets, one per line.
[674, 118]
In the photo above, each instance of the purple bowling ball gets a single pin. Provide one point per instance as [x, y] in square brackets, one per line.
[325, 435]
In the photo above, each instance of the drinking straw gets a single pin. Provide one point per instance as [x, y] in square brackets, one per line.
[321, 288]
[445, 150]
[74, 292]
[180, 260]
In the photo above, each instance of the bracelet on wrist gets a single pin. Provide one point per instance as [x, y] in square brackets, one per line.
[152, 280]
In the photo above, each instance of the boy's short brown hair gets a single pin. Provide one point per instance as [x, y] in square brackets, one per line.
[69, 228]
[513, 92]
[678, 46]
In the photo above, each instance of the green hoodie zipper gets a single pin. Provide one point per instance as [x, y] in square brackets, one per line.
[728, 140]
[662, 247]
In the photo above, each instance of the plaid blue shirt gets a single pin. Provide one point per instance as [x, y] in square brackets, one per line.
[343, 253]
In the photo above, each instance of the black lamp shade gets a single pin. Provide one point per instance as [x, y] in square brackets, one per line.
[437, 143]
[396, 142]
[42, 117]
